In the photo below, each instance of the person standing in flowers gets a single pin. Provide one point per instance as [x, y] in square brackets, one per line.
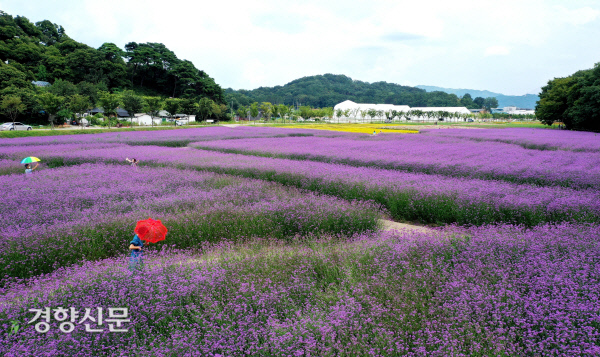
[29, 170]
[136, 260]
[133, 161]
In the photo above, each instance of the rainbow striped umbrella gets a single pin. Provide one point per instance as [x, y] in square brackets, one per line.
[29, 160]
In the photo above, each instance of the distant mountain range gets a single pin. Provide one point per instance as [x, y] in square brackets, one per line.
[330, 89]
[521, 101]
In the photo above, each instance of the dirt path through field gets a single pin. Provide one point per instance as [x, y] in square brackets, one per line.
[391, 226]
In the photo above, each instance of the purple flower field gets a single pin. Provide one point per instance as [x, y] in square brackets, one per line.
[175, 137]
[62, 216]
[409, 196]
[285, 256]
[528, 138]
[432, 154]
[10, 167]
[485, 291]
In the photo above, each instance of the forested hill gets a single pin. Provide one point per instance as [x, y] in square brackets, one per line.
[330, 89]
[44, 52]
[521, 101]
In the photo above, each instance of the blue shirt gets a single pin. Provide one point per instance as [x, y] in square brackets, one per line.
[138, 243]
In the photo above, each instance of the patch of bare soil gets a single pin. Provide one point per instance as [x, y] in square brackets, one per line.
[391, 226]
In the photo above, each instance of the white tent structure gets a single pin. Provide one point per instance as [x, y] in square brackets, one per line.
[356, 112]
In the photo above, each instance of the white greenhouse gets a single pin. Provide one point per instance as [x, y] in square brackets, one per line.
[350, 112]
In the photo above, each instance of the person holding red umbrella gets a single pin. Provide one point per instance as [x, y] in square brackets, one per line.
[150, 231]
[136, 259]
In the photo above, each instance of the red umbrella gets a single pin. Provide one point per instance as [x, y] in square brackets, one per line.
[150, 230]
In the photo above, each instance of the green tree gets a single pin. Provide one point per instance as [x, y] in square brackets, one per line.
[216, 110]
[91, 90]
[478, 102]
[189, 106]
[390, 114]
[372, 113]
[283, 110]
[51, 104]
[224, 115]
[254, 110]
[63, 88]
[153, 106]
[172, 106]
[275, 111]
[267, 109]
[109, 103]
[242, 111]
[50, 33]
[553, 105]
[65, 114]
[305, 111]
[584, 100]
[9, 75]
[42, 73]
[132, 103]
[328, 112]
[12, 106]
[111, 52]
[489, 103]
[467, 101]
[205, 107]
[28, 98]
[79, 104]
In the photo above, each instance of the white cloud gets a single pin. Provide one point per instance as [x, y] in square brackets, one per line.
[579, 16]
[497, 51]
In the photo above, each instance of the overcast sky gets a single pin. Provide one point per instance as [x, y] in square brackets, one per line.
[510, 46]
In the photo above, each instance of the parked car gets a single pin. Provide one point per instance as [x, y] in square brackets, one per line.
[14, 126]
[83, 122]
[180, 122]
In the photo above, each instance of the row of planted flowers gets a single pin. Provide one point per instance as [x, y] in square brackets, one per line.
[409, 196]
[537, 139]
[480, 291]
[173, 138]
[449, 156]
[515, 155]
[66, 215]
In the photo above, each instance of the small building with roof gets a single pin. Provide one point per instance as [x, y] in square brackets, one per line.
[121, 113]
[41, 83]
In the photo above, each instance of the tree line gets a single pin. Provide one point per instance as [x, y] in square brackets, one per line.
[44, 52]
[268, 111]
[573, 101]
[64, 101]
[327, 90]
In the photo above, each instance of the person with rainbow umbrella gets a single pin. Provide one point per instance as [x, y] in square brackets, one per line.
[27, 162]
[150, 231]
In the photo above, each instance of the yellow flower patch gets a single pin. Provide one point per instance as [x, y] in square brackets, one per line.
[352, 128]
